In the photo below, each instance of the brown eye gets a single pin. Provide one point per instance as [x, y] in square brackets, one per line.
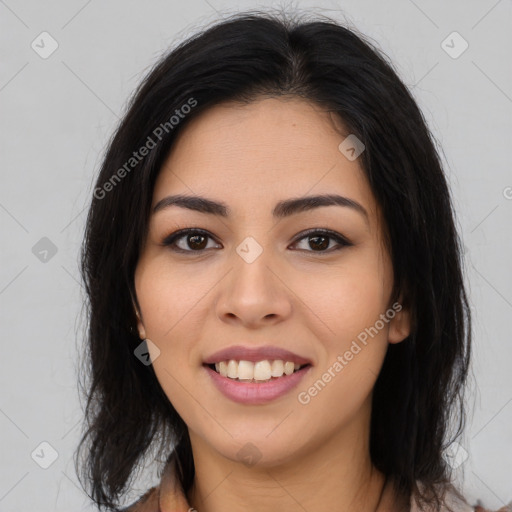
[196, 242]
[188, 240]
[320, 240]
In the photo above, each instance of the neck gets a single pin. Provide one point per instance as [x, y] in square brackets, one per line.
[336, 475]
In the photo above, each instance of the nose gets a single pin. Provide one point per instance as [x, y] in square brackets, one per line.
[254, 294]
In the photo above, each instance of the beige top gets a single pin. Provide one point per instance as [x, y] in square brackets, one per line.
[169, 497]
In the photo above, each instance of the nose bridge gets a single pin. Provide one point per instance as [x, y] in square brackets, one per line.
[251, 274]
[252, 291]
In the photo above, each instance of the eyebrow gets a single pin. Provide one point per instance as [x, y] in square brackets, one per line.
[282, 209]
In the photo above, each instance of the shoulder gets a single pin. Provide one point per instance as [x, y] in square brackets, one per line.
[505, 508]
[459, 503]
[454, 501]
[146, 503]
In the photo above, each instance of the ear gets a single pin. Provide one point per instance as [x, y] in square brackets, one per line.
[400, 324]
[140, 325]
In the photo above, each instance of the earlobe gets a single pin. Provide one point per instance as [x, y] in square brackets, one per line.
[140, 328]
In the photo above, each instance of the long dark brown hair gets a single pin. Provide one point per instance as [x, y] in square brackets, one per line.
[420, 389]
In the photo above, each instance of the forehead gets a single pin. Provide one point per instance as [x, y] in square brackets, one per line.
[259, 153]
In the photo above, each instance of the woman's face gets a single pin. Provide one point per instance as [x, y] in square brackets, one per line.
[252, 283]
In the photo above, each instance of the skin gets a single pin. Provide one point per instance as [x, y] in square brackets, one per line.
[314, 303]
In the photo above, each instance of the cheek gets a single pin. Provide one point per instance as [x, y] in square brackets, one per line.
[349, 298]
[169, 300]
[175, 306]
[350, 302]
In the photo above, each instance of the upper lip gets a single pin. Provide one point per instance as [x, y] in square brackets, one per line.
[255, 354]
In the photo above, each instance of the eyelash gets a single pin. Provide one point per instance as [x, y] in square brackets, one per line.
[170, 240]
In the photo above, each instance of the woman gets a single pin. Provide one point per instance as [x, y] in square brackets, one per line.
[275, 283]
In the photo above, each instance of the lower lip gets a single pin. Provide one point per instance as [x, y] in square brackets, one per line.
[256, 393]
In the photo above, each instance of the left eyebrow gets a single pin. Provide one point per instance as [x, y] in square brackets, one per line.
[282, 209]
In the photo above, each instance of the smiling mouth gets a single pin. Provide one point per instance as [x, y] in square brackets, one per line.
[256, 372]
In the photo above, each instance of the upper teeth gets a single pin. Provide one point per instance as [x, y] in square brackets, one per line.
[261, 370]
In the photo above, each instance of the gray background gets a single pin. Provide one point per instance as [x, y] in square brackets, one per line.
[57, 116]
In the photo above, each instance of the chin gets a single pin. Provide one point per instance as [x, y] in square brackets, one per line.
[257, 451]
